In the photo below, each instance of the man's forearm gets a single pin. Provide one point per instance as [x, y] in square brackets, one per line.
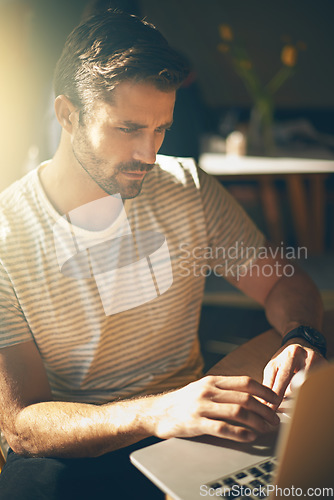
[294, 301]
[66, 429]
[226, 407]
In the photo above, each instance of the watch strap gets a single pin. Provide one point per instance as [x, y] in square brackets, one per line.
[300, 332]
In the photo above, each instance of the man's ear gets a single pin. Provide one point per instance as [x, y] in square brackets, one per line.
[65, 112]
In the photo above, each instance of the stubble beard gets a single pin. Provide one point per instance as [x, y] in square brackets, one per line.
[93, 167]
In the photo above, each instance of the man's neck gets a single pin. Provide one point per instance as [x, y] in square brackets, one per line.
[75, 195]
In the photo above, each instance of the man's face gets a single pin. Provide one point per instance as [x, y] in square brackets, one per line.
[117, 142]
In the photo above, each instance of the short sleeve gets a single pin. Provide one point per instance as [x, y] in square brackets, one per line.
[234, 239]
[13, 325]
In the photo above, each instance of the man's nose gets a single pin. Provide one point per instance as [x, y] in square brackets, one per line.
[145, 151]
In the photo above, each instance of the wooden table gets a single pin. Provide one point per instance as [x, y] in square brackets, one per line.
[251, 357]
[307, 205]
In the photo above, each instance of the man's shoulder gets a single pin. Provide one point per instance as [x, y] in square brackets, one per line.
[15, 201]
[175, 164]
[178, 170]
[13, 194]
[185, 172]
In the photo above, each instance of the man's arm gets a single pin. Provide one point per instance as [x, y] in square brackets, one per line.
[291, 303]
[36, 425]
[290, 299]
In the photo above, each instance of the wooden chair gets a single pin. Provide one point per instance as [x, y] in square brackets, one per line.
[3, 450]
[2, 459]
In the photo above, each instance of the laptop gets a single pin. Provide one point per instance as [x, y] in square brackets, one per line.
[282, 464]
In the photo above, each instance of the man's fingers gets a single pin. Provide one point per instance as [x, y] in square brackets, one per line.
[283, 378]
[247, 385]
[233, 412]
[280, 370]
[269, 375]
[236, 399]
[245, 401]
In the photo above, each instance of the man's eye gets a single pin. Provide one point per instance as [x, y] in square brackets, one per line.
[126, 130]
[162, 130]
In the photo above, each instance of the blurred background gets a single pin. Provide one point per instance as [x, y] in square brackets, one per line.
[245, 56]
[32, 33]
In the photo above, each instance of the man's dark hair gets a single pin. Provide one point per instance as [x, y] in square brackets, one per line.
[110, 48]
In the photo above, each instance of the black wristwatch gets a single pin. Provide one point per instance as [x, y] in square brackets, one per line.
[313, 337]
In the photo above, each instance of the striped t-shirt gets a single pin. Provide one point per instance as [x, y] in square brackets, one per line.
[114, 312]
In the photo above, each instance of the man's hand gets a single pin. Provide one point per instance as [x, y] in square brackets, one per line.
[295, 355]
[227, 407]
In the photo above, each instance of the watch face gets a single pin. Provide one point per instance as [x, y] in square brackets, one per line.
[313, 336]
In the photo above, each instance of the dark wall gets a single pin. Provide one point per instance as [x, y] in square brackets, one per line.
[193, 27]
[32, 33]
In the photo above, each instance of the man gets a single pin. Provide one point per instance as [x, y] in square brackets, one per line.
[99, 312]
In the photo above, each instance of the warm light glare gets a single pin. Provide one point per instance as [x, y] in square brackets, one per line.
[16, 90]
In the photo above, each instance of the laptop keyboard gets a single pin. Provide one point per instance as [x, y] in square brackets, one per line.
[241, 484]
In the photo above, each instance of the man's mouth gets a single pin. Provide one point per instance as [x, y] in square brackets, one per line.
[134, 175]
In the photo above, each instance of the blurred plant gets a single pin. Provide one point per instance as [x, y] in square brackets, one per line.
[262, 113]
